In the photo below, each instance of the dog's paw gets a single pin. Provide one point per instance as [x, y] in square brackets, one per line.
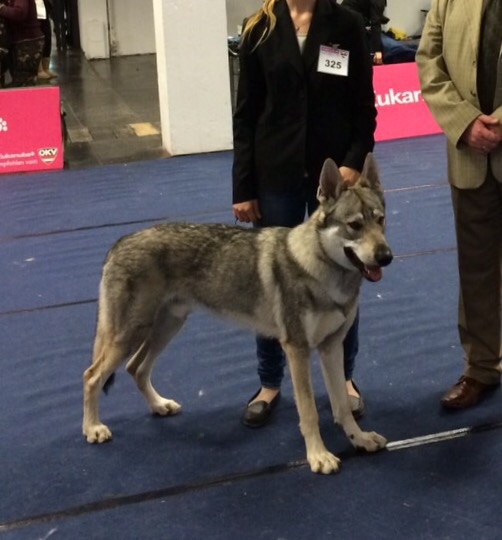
[323, 462]
[98, 433]
[370, 441]
[165, 407]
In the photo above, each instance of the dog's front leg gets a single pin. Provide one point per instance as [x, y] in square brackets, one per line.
[331, 353]
[320, 460]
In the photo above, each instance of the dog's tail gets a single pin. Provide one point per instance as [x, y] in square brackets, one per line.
[109, 382]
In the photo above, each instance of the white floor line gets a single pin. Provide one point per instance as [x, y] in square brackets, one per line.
[441, 436]
[428, 439]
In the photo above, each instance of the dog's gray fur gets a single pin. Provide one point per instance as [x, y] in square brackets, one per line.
[299, 285]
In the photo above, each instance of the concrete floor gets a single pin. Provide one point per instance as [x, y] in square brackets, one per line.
[111, 106]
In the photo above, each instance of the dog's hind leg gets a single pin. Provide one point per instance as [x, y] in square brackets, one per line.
[319, 458]
[108, 353]
[331, 353]
[140, 366]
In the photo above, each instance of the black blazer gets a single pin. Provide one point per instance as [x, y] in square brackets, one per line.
[289, 117]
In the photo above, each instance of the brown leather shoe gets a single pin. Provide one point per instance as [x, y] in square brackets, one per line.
[465, 393]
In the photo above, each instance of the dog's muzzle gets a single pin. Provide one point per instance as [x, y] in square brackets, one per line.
[383, 257]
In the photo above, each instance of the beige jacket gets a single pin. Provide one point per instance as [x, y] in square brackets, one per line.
[447, 65]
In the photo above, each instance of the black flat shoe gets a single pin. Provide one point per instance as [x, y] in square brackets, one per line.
[356, 403]
[258, 413]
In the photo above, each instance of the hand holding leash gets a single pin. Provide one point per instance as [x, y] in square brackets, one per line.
[247, 211]
[349, 176]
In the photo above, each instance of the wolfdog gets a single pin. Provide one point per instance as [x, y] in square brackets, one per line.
[299, 285]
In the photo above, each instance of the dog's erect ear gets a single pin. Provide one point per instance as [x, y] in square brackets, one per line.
[370, 172]
[331, 183]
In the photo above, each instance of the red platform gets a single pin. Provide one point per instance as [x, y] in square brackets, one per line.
[30, 130]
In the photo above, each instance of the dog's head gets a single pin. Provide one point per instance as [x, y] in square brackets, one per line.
[351, 220]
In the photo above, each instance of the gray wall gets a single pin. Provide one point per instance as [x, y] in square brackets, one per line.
[237, 10]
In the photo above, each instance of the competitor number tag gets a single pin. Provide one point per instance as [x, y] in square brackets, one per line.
[333, 61]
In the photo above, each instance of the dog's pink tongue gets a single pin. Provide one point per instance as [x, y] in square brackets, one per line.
[373, 273]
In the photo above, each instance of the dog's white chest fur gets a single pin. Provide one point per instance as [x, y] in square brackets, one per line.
[319, 326]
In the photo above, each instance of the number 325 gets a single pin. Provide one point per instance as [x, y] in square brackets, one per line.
[333, 64]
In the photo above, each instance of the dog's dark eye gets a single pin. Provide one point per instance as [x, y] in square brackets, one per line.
[381, 221]
[356, 225]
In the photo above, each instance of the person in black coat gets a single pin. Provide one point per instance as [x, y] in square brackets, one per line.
[292, 112]
[26, 41]
[4, 45]
[44, 71]
[372, 12]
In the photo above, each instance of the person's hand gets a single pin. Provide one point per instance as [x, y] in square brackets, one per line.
[497, 130]
[378, 58]
[483, 135]
[247, 211]
[349, 176]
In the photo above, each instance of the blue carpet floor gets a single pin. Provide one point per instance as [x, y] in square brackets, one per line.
[202, 474]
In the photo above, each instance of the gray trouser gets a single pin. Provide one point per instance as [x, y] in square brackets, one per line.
[478, 221]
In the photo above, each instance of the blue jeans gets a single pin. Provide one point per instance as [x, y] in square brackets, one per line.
[288, 210]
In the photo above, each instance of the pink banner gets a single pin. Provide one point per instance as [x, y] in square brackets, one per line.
[30, 130]
[402, 111]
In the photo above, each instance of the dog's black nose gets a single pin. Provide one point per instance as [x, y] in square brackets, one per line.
[383, 255]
